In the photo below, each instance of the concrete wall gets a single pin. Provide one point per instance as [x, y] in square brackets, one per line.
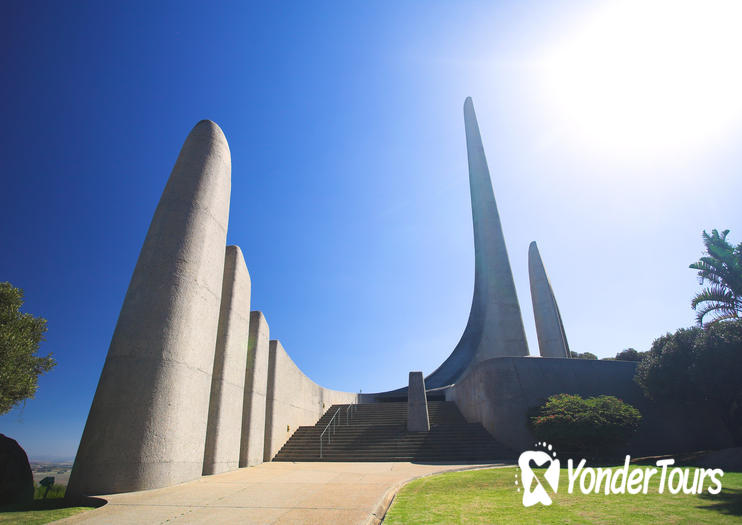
[224, 428]
[181, 393]
[147, 423]
[499, 392]
[293, 400]
[256, 385]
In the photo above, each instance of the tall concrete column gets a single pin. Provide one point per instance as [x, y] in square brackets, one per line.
[224, 428]
[495, 326]
[275, 394]
[147, 423]
[552, 340]
[256, 385]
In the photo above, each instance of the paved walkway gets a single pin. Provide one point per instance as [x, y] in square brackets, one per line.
[322, 493]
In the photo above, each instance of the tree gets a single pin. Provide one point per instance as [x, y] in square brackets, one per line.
[698, 367]
[584, 355]
[630, 354]
[722, 269]
[20, 337]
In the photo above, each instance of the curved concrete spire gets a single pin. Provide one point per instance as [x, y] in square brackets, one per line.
[495, 326]
[552, 341]
[147, 424]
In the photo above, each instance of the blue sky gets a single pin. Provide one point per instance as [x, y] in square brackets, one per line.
[349, 180]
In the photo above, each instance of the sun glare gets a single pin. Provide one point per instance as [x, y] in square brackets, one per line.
[649, 76]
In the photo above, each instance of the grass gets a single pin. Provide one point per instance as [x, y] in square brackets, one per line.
[40, 510]
[490, 496]
[55, 491]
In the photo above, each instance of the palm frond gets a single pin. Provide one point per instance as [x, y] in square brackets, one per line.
[718, 312]
[720, 317]
[708, 270]
[715, 293]
[721, 267]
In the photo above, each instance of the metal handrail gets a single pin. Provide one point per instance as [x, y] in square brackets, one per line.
[349, 410]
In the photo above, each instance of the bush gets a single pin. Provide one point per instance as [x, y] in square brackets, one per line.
[695, 366]
[630, 354]
[584, 355]
[593, 427]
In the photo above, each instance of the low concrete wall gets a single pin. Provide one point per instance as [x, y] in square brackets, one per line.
[293, 400]
[498, 393]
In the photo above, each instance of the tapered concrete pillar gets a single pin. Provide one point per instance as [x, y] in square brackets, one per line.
[147, 423]
[552, 341]
[275, 394]
[417, 404]
[495, 326]
[224, 428]
[256, 384]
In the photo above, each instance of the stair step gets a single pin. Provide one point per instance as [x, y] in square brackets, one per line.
[378, 432]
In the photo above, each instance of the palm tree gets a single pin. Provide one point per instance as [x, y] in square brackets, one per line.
[722, 268]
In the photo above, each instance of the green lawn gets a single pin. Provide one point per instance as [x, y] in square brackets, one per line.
[490, 496]
[40, 510]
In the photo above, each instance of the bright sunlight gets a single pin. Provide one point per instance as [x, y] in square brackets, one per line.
[648, 77]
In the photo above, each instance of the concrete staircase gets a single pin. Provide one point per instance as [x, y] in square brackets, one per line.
[378, 432]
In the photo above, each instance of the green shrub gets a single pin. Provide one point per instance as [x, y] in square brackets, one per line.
[593, 427]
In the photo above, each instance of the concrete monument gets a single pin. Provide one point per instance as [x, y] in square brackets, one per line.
[191, 383]
[147, 424]
[552, 341]
[184, 388]
[495, 326]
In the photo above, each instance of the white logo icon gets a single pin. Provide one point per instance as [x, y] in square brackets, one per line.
[534, 490]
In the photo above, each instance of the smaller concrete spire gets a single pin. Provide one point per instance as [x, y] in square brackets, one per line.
[552, 341]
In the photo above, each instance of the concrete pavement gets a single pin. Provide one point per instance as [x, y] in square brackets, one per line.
[321, 493]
